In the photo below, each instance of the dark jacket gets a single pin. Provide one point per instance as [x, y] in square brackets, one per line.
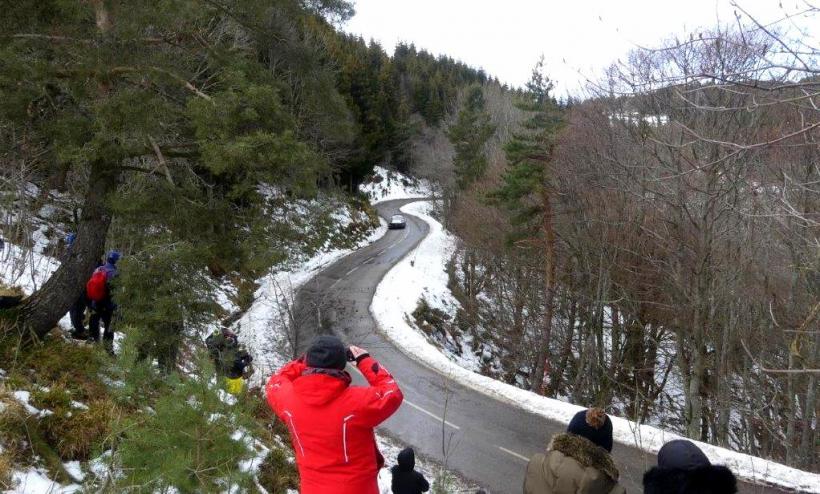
[572, 465]
[241, 361]
[405, 479]
[707, 479]
[223, 348]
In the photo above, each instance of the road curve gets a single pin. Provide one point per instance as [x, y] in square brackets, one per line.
[486, 441]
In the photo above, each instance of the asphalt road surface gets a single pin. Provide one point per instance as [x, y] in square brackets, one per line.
[484, 440]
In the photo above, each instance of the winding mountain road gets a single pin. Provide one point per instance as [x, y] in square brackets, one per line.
[486, 441]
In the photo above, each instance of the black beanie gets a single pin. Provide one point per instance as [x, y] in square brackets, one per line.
[682, 454]
[326, 352]
[594, 425]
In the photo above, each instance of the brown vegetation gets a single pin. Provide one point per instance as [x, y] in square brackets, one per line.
[686, 219]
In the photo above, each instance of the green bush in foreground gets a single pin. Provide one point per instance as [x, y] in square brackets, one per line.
[186, 442]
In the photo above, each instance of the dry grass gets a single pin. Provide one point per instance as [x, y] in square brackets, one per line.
[16, 448]
[57, 373]
[76, 434]
[6, 467]
[10, 291]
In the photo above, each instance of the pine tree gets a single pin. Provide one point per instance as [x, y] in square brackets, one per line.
[526, 194]
[136, 95]
[191, 441]
[469, 136]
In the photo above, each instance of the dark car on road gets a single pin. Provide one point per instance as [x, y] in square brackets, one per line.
[397, 222]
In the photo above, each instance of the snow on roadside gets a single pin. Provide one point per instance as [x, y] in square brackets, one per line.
[390, 450]
[423, 272]
[424, 277]
[263, 327]
[388, 185]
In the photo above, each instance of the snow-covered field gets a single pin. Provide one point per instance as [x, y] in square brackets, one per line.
[422, 274]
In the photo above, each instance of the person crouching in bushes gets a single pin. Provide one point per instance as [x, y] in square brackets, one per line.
[684, 469]
[577, 461]
[238, 371]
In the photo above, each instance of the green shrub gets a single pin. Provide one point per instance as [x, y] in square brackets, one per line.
[278, 473]
[186, 443]
[430, 319]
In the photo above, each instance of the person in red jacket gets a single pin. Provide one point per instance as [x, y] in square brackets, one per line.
[331, 422]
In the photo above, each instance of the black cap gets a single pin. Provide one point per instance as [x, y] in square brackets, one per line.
[681, 454]
[326, 352]
[593, 424]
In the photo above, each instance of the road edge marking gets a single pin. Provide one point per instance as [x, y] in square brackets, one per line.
[513, 453]
[431, 414]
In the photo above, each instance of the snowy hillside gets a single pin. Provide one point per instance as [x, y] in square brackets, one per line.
[388, 185]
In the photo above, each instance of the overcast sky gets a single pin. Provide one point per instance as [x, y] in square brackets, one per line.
[577, 37]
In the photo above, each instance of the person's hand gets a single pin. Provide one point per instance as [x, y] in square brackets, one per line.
[356, 353]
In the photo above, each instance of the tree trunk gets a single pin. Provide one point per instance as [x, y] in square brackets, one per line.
[694, 392]
[808, 443]
[40, 312]
[537, 382]
[557, 371]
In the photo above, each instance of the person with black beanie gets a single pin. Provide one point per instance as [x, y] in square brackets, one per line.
[577, 461]
[406, 480]
[684, 469]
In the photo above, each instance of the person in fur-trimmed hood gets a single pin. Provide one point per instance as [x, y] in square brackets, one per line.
[684, 469]
[577, 461]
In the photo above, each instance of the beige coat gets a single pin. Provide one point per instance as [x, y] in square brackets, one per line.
[572, 465]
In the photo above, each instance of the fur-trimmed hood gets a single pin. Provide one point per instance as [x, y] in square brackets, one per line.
[707, 479]
[585, 452]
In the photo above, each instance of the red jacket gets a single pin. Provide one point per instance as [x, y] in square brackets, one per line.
[331, 424]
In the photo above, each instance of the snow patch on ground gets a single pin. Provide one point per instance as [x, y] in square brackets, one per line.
[422, 272]
[36, 481]
[25, 268]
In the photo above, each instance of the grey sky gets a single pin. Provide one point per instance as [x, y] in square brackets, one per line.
[578, 37]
